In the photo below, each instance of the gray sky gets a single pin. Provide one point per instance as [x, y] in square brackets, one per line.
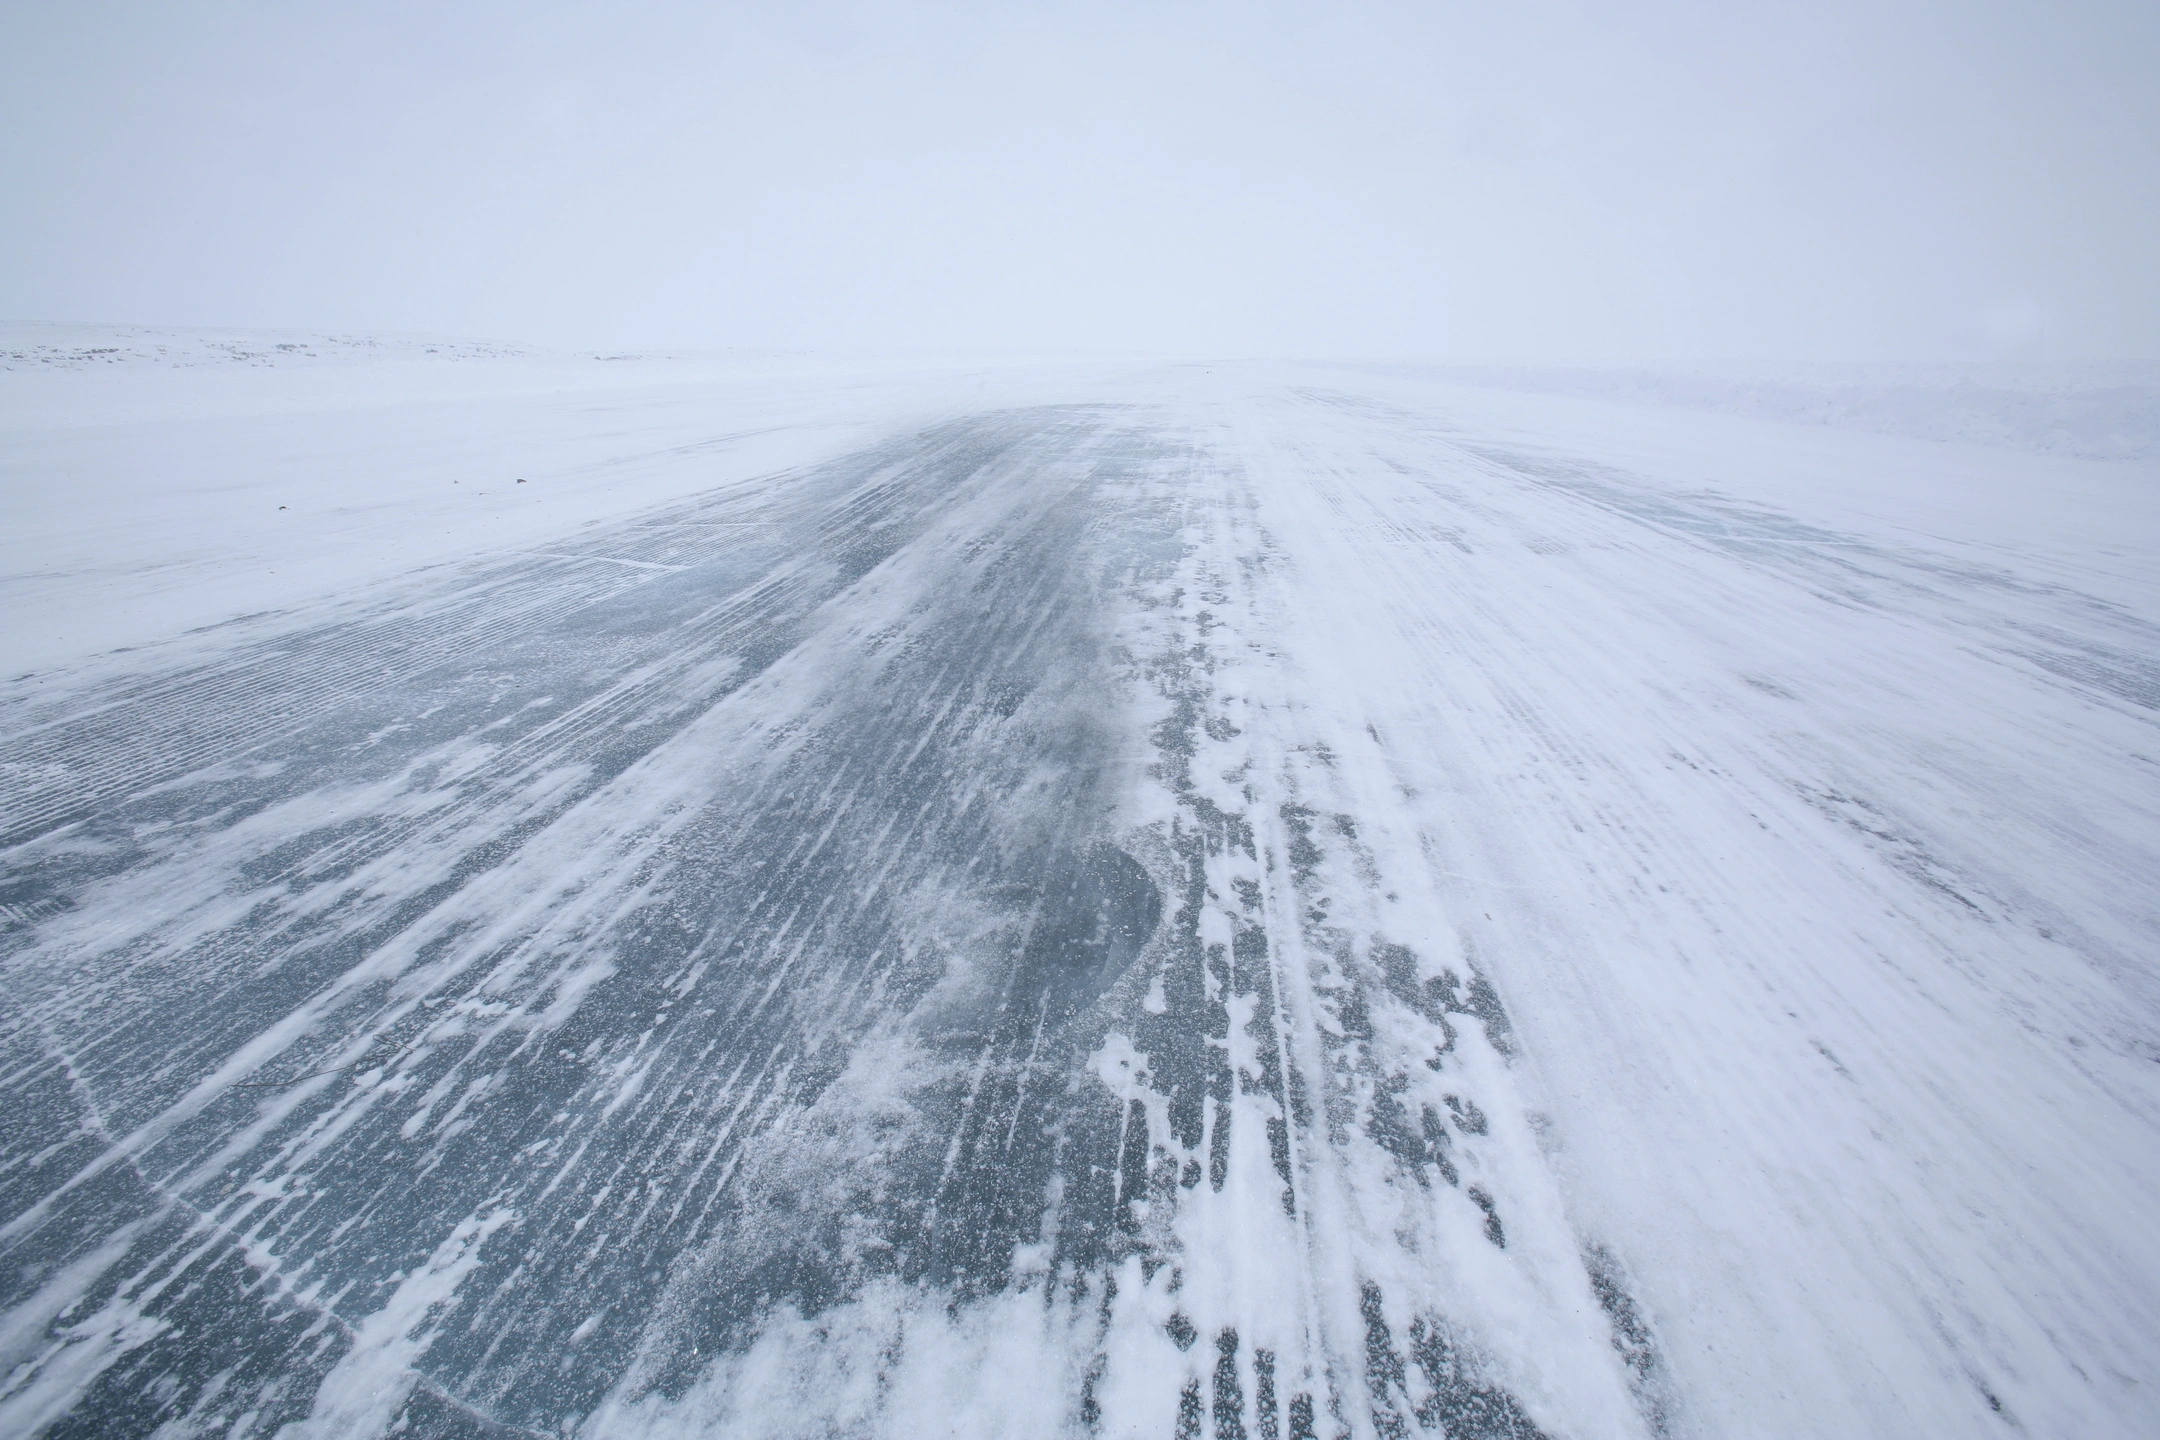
[1862, 179]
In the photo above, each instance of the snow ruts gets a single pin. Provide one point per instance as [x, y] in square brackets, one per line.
[1255, 913]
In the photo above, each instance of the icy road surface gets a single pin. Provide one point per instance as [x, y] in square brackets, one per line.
[1253, 903]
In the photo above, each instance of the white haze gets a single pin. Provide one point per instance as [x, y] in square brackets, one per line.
[1906, 180]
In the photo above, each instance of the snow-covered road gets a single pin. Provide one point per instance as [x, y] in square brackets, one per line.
[1252, 902]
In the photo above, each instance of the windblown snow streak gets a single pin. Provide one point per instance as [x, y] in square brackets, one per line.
[1261, 915]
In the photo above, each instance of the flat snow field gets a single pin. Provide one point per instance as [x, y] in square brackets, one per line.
[759, 896]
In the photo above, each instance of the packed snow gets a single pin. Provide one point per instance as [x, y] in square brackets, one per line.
[769, 895]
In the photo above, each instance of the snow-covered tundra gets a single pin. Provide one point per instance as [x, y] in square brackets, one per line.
[759, 896]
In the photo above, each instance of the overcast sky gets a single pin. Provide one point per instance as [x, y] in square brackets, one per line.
[1855, 179]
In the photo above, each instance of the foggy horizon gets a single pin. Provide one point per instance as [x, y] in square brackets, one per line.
[1863, 183]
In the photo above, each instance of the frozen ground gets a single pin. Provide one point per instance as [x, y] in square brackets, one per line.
[1241, 901]
[2097, 411]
